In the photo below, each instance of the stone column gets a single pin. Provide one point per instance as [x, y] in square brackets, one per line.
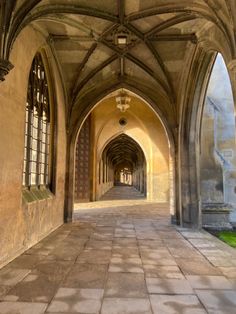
[6, 9]
[215, 213]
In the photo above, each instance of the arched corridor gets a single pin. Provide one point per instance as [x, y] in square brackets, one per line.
[130, 147]
[117, 153]
[128, 162]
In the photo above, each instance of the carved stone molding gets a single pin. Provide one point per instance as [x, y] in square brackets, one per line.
[5, 68]
[216, 216]
[232, 65]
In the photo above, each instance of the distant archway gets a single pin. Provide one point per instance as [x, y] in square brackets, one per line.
[125, 163]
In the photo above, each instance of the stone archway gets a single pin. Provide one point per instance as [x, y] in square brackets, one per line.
[125, 165]
[160, 185]
[217, 149]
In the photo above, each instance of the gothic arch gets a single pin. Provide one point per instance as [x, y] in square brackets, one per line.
[73, 136]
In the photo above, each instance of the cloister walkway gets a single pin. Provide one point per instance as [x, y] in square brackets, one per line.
[121, 257]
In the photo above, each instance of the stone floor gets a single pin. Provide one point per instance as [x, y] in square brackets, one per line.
[122, 257]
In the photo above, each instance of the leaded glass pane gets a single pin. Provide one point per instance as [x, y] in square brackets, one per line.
[37, 127]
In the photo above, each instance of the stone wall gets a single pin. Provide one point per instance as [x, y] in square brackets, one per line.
[218, 149]
[24, 223]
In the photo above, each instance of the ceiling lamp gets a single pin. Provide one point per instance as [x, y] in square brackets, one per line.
[121, 37]
[122, 101]
[122, 40]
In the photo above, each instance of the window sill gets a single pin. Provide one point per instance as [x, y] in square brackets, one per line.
[35, 193]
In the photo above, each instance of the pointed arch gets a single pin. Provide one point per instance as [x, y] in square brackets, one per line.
[38, 128]
[217, 144]
[81, 118]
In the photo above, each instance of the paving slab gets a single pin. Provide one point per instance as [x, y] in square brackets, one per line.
[66, 252]
[152, 244]
[120, 243]
[209, 282]
[177, 243]
[125, 268]
[195, 234]
[126, 306]
[155, 271]
[3, 291]
[229, 272]
[214, 252]
[77, 301]
[175, 304]
[86, 276]
[132, 252]
[22, 308]
[10, 276]
[125, 260]
[159, 261]
[102, 236]
[186, 253]
[41, 284]
[222, 261]
[147, 236]
[125, 285]
[99, 245]
[25, 261]
[168, 286]
[197, 267]
[172, 234]
[203, 243]
[94, 256]
[218, 301]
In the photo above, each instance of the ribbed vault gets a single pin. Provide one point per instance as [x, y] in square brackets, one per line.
[162, 39]
[123, 149]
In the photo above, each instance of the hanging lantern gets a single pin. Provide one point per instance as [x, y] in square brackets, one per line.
[122, 101]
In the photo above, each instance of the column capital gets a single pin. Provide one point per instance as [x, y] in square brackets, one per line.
[5, 68]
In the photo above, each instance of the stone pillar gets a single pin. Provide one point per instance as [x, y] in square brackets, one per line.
[211, 169]
[186, 180]
[6, 9]
[215, 213]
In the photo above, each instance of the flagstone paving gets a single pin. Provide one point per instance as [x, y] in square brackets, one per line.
[122, 257]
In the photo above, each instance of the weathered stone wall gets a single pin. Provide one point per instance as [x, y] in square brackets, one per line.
[218, 149]
[22, 223]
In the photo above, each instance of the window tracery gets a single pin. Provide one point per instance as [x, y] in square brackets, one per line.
[37, 127]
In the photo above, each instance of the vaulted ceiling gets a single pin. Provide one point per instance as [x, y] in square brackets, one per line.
[123, 149]
[161, 37]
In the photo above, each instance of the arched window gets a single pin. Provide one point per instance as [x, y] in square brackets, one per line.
[37, 127]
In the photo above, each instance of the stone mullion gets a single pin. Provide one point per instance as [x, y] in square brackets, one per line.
[47, 149]
[2, 37]
[28, 146]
